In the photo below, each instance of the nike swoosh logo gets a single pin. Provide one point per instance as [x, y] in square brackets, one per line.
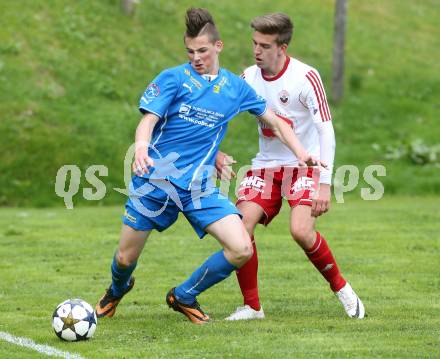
[357, 308]
[193, 314]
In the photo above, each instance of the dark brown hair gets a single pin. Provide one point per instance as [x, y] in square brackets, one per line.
[200, 22]
[276, 23]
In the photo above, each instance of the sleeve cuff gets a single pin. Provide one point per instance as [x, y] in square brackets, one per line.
[261, 114]
[144, 110]
[325, 176]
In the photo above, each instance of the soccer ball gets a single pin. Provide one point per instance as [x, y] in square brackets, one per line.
[73, 320]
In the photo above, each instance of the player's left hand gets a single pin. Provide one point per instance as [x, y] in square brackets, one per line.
[321, 202]
[142, 162]
[223, 165]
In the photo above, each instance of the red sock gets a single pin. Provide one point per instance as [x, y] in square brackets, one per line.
[322, 258]
[247, 279]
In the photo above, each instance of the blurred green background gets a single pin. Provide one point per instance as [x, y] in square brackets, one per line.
[71, 74]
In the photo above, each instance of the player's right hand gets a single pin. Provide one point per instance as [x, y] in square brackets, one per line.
[142, 162]
[321, 200]
[309, 161]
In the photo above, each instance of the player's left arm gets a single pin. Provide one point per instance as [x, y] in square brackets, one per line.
[223, 166]
[327, 144]
[313, 96]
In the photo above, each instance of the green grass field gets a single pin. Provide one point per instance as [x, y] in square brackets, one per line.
[71, 73]
[388, 249]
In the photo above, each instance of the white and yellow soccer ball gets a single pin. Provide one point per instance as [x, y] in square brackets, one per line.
[73, 320]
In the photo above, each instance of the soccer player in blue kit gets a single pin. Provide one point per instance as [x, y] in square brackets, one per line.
[186, 110]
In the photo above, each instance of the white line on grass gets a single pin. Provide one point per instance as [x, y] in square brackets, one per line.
[44, 349]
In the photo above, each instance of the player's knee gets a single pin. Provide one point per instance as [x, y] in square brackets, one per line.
[243, 254]
[123, 259]
[302, 235]
[248, 251]
[249, 224]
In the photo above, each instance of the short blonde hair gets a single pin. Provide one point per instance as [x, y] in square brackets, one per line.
[276, 23]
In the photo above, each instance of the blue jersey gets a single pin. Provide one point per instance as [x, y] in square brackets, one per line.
[194, 115]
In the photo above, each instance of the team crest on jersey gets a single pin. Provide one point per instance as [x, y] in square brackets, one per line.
[284, 97]
[152, 91]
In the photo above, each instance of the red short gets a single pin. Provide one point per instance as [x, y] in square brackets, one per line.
[268, 186]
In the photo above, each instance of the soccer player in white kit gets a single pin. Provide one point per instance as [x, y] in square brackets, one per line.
[294, 91]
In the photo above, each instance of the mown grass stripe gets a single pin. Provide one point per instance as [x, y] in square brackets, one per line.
[41, 348]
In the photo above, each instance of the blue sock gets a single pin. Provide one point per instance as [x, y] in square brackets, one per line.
[121, 277]
[215, 269]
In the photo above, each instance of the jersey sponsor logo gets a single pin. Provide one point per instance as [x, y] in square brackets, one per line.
[200, 116]
[253, 182]
[195, 82]
[129, 217]
[184, 109]
[219, 86]
[223, 81]
[196, 122]
[268, 132]
[304, 184]
[284, 97]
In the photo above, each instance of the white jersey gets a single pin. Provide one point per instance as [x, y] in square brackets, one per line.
[297, 95]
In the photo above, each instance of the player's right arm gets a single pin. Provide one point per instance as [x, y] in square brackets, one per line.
[287, 136]
[153, 104]
[143, 137]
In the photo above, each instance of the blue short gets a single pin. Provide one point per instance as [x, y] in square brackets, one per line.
[155, 204]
